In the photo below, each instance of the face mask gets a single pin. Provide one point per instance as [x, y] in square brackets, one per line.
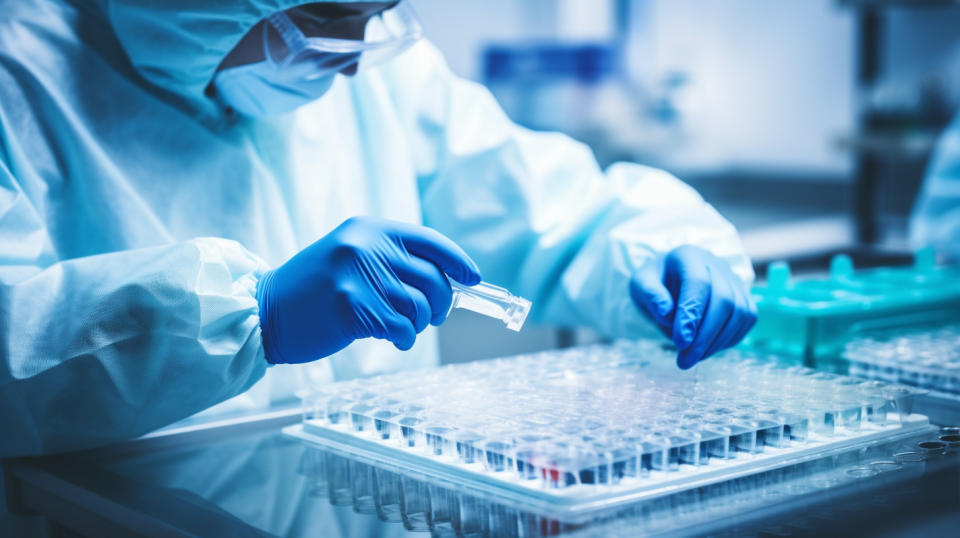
[304, 52]
[261, 90]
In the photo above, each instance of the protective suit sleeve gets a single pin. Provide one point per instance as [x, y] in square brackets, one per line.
[108, 347]
[536, 212]
[936, 214]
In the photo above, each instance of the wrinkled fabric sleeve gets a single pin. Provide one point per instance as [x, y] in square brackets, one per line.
[535, 210]
[108, 347]
[936, 215]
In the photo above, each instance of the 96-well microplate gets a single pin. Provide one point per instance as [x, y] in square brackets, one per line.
[587, 428]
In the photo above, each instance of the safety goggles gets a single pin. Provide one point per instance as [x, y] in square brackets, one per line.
[310, 43]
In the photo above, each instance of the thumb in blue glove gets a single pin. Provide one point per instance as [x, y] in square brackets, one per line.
[367, 278]
[696, 300]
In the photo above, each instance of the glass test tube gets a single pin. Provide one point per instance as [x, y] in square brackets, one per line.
[492, 301]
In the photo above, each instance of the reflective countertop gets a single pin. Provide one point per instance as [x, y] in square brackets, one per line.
[246, 478]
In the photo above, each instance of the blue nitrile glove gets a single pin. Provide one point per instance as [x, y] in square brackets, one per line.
[369, 277]
[696, 300]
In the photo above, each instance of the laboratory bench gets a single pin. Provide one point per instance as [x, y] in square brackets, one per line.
[245, 477]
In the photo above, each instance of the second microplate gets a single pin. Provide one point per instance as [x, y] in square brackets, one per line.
[925, 357]
[571, 432]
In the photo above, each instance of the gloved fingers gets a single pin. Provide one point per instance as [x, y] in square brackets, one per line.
[439, 249]
[716, 325]
[741, 319]
[746, 309]
[424, 313]
[380, 319]
[651, 295]
[401, 333]
[410, 303]
[431, 282]
[399, 330]
[748, 314]
[692, 296]
[640, 300]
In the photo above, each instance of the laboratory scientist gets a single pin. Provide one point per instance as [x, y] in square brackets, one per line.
[193, 192]
[936, 215]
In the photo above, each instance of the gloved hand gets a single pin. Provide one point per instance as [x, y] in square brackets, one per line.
[696, 300]
[368, 277]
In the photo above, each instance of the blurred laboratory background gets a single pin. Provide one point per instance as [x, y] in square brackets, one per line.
[807, 123]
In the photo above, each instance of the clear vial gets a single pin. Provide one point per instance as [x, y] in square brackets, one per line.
[492, 301]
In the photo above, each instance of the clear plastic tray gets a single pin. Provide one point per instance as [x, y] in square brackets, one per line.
[589, 428]
[925, 357]
[448, 509]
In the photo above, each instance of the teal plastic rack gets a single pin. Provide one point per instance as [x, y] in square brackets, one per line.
[811, 319]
